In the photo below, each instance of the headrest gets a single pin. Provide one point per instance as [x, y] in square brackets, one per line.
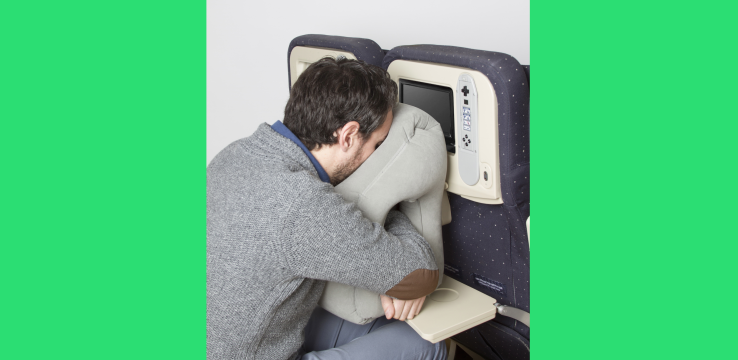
[409, 168]
[364, 49]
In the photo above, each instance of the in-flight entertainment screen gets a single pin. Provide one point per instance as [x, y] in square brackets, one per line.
[436, 100]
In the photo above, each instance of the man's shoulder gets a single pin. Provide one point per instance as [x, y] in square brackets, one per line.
[266, 162]
[264, 150]
[256, 144]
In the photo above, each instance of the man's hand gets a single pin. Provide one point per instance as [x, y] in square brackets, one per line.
[401, 309]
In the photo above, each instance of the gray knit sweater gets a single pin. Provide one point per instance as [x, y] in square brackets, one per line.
[276, 234]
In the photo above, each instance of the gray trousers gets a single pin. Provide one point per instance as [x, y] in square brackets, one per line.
[328, 337]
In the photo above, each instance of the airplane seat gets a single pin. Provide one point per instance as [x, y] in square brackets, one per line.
[487, 179]
[307, 49]
[485, 245]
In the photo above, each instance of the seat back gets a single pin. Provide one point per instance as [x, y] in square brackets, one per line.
[485, 244]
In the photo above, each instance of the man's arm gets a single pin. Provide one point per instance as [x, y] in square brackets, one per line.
[327, 238]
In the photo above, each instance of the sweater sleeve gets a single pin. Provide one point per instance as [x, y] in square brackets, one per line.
[328, 238]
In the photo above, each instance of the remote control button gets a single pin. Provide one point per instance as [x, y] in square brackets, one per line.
[467, 128]
[465, 90]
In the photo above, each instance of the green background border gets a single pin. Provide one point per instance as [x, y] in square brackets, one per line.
[103, 134]
[633, 173]
[103, 137]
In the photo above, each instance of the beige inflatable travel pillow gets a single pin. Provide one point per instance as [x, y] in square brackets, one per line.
[410, 169]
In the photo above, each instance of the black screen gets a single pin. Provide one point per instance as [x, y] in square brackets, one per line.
[437, 101]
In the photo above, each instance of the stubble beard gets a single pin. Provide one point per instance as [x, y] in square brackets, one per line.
[345, 169]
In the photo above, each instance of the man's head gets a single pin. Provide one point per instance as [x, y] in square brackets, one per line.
[342, 111]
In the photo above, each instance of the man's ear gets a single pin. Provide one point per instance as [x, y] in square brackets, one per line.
[348, 135]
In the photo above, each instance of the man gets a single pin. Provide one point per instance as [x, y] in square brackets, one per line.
[277, 230]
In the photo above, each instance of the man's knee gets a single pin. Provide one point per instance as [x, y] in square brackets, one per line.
[415, 346]
[439, 351]
[396, 340]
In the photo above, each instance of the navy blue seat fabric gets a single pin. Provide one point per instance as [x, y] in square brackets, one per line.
[488, 244]
[527, 72]
[364, 49]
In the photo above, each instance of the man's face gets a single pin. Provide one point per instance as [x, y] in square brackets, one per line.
[363, 151]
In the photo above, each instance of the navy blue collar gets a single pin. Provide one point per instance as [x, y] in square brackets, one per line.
[284, 131]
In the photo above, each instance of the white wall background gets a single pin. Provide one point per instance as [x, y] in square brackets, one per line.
[247, 45]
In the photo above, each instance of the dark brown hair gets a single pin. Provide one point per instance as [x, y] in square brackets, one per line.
[331, 93]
